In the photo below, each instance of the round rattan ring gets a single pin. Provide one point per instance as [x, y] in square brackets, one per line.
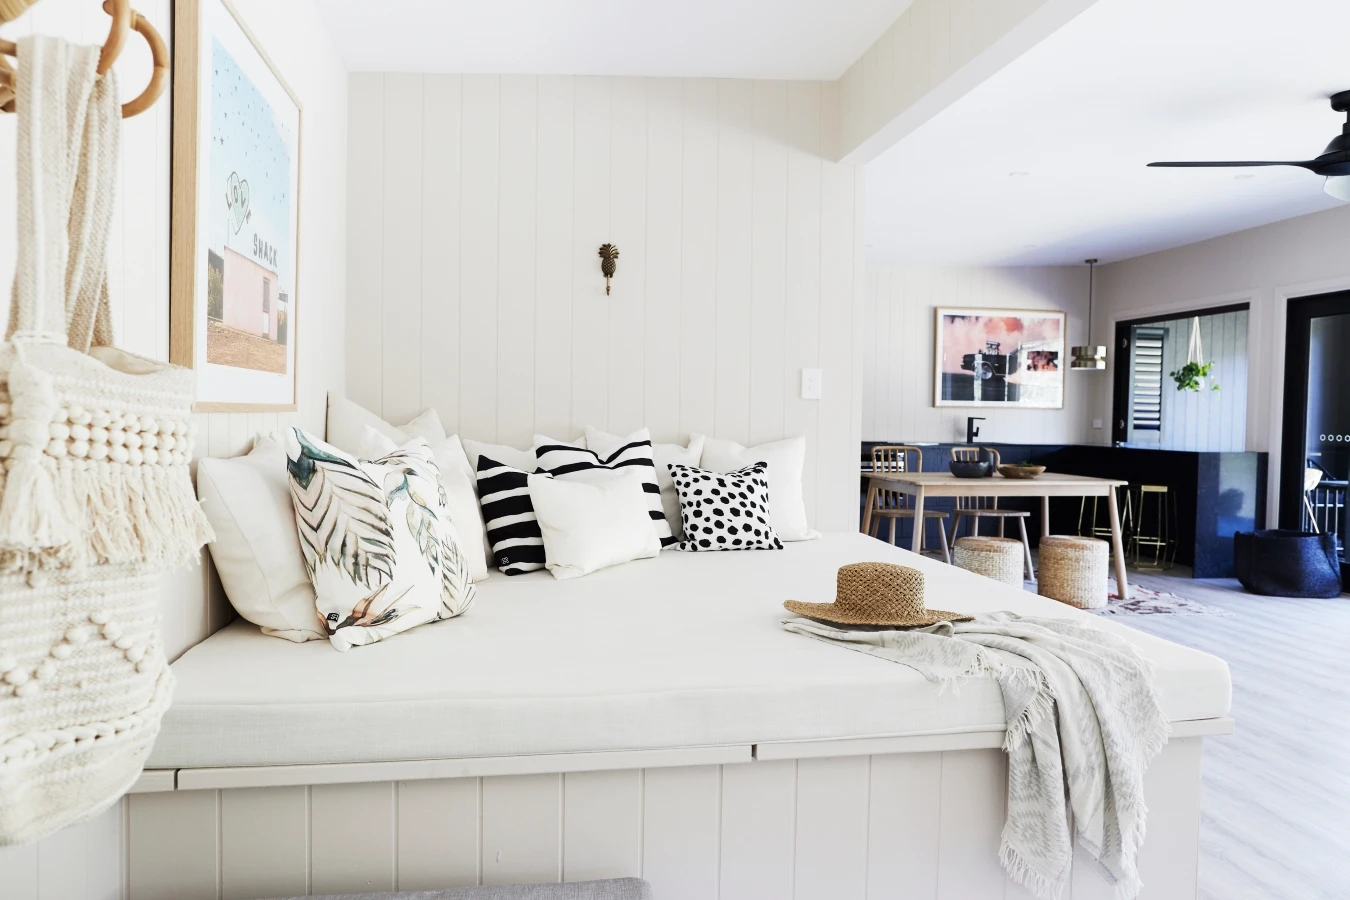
[876, 594]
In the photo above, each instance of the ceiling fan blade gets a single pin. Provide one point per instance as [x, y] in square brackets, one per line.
[1304, 164]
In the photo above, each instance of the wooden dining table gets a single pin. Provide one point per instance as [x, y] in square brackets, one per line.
[922, 485]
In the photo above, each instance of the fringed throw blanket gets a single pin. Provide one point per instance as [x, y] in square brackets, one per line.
[1083, 723]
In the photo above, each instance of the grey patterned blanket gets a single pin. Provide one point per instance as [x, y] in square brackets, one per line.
[1083, 723]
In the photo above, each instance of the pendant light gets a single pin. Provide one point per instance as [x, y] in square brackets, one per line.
[1089, 357]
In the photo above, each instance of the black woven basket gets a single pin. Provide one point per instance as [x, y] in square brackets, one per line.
[1281, 563]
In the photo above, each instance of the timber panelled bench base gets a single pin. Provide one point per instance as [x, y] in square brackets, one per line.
[653, 722]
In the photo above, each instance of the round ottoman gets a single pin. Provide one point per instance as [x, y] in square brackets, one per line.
[1073, 570]
[993, 557]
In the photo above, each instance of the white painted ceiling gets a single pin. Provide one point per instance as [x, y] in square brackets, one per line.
[786, 39]
[1125, 83]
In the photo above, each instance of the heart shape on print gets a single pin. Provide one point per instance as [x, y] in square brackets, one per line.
[236, 200]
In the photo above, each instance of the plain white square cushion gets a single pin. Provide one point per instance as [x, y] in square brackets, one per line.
[604, 443]
[590, 525]
[466, 516]
[256, 551]
[524, 460]
[786, 459]
[347, 422]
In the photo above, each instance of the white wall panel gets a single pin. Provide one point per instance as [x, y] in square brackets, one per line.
[974, 798]
[522, 829]
[832, 849]
[264, 838]
[759, 816]
[173, 845]
[739, 253]
[681, 830]
[897, 352]
[602, 825]
[350, 847]
[902, 844]
[438, 833]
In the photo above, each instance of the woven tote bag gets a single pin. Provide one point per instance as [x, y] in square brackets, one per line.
[96, 501]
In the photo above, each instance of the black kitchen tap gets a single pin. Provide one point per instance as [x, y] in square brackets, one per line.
[972, 430]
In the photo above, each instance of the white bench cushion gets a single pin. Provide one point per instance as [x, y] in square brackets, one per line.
[677, 651]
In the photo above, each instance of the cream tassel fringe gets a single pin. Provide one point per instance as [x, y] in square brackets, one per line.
[32, 519]
[124, 514]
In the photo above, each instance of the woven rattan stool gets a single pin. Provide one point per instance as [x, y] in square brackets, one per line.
[1073, 570]
[993, 557]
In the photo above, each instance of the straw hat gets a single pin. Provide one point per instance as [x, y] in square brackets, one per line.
[876, 594]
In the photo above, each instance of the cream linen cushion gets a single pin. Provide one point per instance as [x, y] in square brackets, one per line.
[466, 517]
[604, 443]
[786, 459]
[347, 422]
[248, 502]
[376, 540]
[592, 525]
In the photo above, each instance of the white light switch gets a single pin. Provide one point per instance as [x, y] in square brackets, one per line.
[1096, 423]
[811, 379]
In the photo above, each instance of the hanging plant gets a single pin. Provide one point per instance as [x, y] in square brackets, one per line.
[1191, 377]
[1188, 377]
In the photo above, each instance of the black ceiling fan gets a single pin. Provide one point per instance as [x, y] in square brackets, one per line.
[1333, 164]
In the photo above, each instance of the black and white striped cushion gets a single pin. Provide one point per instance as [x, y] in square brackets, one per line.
[563, 461]
[512, 529]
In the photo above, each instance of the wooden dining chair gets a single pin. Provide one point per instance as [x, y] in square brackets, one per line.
[973, 509]
[894, 505]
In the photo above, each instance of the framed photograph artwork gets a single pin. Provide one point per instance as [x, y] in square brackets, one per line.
[236, 180]
[999, 357]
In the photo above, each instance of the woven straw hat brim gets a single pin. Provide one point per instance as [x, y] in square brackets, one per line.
[831, 614]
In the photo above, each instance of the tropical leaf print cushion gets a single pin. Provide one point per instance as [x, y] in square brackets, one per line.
[376, 538]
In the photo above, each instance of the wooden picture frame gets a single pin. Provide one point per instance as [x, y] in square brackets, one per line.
[235, 232]
[1029, 374]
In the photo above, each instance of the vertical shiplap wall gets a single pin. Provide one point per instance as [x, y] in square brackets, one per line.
[1207, 421]
[85, 861]
[897, 397]
[478, 202]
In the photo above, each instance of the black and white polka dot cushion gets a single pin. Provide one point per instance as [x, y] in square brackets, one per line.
[725, 511]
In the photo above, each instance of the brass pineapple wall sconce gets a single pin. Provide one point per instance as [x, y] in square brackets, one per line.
[609, 254]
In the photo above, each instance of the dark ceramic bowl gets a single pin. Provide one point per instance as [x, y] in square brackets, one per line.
[970, 468]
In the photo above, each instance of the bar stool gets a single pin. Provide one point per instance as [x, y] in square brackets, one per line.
[1162, 519]
[895, 505]
[1094, 516]
[976, 508]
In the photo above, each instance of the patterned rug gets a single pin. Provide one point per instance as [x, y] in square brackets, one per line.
[1150, 603]
[1155, 603]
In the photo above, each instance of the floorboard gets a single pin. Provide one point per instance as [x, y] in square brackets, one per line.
[1276, 793]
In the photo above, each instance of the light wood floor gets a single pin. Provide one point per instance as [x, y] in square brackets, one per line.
[1276, 802]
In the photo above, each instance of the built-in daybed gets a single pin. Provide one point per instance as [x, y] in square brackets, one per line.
[651, 719]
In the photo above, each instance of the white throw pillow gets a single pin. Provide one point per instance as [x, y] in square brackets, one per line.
[510, 456]
[786, 459]
[604, 443]
[248, 502]
[578, 464]
[465, 516]
[347, 422]
[592, 525]
[376, 540]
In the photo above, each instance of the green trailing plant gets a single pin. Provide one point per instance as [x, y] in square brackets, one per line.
[1188, 376]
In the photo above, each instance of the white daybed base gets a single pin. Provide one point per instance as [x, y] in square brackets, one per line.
[917, 816]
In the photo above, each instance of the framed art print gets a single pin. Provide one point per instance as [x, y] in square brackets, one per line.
[999, 357]
[236, 180]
